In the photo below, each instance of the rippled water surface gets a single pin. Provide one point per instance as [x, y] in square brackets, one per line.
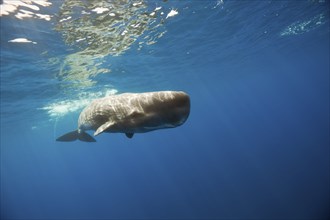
[256, 143]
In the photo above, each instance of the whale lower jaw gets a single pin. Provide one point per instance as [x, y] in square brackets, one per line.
[159, 127]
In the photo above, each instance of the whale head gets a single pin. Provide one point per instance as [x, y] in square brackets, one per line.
[169, 109]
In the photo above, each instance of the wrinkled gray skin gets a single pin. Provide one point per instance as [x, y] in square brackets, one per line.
[131, 113]
[135, 113]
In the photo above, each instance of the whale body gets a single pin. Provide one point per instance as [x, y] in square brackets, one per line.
[131, 113]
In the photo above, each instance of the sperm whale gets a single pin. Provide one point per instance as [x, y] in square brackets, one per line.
[131, 113]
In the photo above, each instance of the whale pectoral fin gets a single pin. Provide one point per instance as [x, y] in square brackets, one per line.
[103, 128]
[129, 135]
[71, 136]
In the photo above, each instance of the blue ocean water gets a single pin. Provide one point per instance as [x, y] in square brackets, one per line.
[256, 143]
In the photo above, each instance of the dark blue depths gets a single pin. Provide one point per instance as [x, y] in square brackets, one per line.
[256, 144]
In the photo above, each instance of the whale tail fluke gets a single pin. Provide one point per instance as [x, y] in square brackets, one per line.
[75, 135]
